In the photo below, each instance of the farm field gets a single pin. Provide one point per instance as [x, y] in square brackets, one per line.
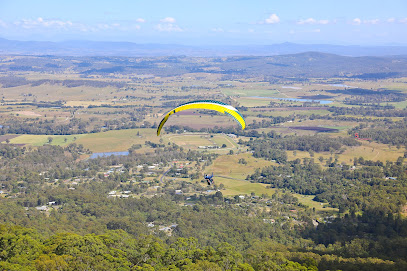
[41, 140]
[228, 165]
[319, 207]
[238, 187]
[117, 140]
[194, 141]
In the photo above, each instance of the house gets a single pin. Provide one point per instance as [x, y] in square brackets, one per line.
[178, 192]
[52, 203]
[41, 208]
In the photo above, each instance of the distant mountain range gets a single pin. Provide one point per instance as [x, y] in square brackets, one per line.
[101, 48]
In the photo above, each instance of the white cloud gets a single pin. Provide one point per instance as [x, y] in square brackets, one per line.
[251, 30]
[168, 28]
[323, 21]
[356, 21]
[2, 24]
[313, 21]
[141, 20]
[169, 20]
[316, 30]
[108, 26]
[217, 29]
[372, 21]
[273, 19]
[168, 25]
[391, 20]
[54, 24]
[40, 22]
[403, 21]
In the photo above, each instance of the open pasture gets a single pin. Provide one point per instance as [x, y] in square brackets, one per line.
[319, 207]
[372, 151]
[117, 140]
[239, 187]
[41, 140]
[249, 92]
[228, 165]
[369, 151]
[193, 141]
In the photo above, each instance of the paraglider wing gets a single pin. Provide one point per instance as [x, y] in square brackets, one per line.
[205, 104]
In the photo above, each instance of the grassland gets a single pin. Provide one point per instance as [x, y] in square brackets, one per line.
[369, 151]
[319, 207]
[117, 140]
[238, 187]
[41, 140]
[228, 165]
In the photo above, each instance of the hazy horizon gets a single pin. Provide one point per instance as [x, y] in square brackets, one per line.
[213, 23]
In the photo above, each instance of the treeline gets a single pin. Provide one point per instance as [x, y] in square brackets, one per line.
[301, 143]
[43, 127]
[344, 188]
[376, 111]
[374, 233]
[393, 133]
[15, 81]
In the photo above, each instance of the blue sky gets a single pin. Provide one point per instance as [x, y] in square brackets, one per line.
[209, 22]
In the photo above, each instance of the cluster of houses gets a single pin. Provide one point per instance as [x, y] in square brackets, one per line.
[166, 229]
[116, 194]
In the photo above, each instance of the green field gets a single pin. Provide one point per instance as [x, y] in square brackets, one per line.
[40, 140]
[238, 187]
[117, 140]
[319, 207]
[228, 165]
[193, 141]
[247, 92]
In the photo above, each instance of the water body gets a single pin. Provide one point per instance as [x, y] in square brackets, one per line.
[342, 86]
[106, 154]
[291, 87]
[295, 99]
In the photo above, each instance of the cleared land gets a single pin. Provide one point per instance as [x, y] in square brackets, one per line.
[117, 140]
[41, 140]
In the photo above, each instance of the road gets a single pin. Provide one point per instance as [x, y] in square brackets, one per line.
[165, 173]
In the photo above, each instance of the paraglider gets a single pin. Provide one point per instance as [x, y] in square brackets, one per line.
[205, 104]
[209, 179]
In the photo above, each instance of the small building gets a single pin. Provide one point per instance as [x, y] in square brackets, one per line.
[41, 208]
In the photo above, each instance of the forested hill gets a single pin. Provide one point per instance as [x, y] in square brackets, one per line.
[298, 67]
[100, 48]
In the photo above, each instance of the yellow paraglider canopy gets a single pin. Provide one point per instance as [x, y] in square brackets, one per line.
[205, 104]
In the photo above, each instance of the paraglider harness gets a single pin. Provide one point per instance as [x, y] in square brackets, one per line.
[209, 179]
